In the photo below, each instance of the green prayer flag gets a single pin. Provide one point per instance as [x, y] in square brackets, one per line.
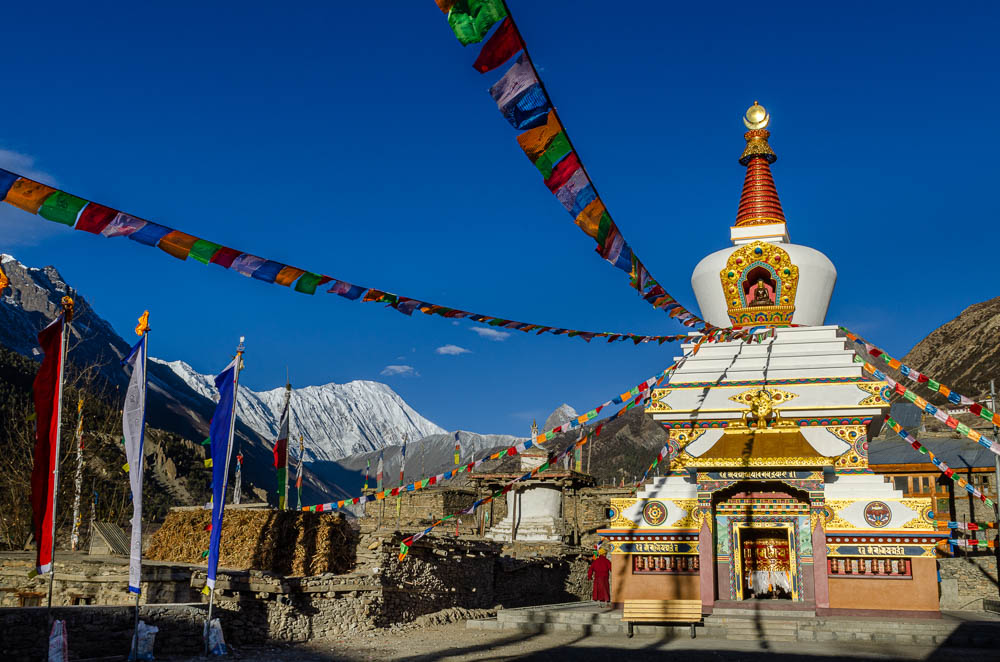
[204, 250]
[909, 395]
[403, 548]
[544, 467]
[933, 385]
[603, 228]
[61, 207]
[986, 414]
[962, 429]
[470, 20]
[307, 283]
[558, 148]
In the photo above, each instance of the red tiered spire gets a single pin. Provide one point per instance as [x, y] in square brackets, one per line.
[759, 203]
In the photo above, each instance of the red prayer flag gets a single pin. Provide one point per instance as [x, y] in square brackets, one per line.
[95, 218]
[280, 453]
[501, 47]
[224, 257]
[46, 390]
[563, 171]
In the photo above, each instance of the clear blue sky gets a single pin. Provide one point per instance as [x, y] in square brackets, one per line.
[355, 139]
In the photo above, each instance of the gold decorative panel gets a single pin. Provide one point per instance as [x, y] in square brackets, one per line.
[759, 283]
[778, 396]
[874, 390]
[656, 400]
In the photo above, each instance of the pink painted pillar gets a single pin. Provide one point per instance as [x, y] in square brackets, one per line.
[820, 580]
[706, 573]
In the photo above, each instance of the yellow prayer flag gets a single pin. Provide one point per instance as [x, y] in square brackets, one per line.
[535, 141]
[589, 219]
[177, 244]
[208, 462]
[288, 275]
[125, 467]
[28, 195]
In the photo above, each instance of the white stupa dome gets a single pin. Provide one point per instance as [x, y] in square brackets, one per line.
[762, 280]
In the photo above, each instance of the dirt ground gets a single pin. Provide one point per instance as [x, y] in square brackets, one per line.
[454, 643]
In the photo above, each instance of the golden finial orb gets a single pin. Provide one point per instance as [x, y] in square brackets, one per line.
[756, 117]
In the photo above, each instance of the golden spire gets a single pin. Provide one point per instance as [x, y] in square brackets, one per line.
[759, 203]
[757, 119]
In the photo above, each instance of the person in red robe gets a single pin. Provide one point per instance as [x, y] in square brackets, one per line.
[600, 573]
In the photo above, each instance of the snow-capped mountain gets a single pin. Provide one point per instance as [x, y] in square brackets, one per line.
[563, 414]
[335, 420]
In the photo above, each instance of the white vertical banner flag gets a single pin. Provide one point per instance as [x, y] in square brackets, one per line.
[133, 424]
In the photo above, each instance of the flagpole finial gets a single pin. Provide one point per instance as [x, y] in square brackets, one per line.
[143, 327]
[67, 306]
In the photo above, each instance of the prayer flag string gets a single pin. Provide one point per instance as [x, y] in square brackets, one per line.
[967, 526]
[61, 207]
[524, 102]
[914, 376]
[942, 467]
[630, 398]
[947, 419]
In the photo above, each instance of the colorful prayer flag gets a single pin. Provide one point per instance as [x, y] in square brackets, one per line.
[47, 394]
[499, 48]
[470, 20]
[61, 207]
[133, 429]
[219, 433]
[281, 450]
[27, 195]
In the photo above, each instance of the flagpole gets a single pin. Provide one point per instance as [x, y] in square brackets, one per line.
[143, 330]
[225, 481]
[288, 391]
[298, 478]
[67, 306]
[74, 536]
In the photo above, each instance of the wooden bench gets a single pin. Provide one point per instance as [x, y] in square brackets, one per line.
[687, 612]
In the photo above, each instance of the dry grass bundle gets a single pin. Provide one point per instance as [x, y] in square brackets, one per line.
[284, 542]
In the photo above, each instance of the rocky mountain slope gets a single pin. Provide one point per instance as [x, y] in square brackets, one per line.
[335, 420]
[965, 352]
[32, 300]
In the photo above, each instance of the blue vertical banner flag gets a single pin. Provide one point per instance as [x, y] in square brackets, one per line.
[133, 430]
[219, 435]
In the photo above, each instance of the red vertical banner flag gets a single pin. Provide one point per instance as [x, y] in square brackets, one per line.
[281, 452]
[46, 393]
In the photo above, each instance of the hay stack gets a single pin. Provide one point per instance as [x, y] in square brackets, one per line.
[284, 542]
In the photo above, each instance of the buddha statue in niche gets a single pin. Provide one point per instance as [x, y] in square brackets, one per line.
[761, 296]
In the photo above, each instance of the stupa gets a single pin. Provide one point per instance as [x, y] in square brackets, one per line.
[769, 500]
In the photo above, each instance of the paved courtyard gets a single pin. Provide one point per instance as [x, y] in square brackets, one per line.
[456, 643]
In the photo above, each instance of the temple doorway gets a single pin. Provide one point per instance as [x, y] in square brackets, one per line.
[765, 562]
[762, 540]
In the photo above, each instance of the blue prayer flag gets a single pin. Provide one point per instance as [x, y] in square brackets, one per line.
[219, 450]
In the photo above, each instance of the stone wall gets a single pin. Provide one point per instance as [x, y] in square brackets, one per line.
[83, 579]
[421, 508]
[99, 632]
[967, 581]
